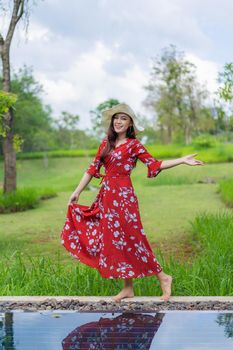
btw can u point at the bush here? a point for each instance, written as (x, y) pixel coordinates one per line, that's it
(165, 151)
(204, 141)
(23, 199)
(19, 200)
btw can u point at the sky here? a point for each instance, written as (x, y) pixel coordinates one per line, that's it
(84, 52)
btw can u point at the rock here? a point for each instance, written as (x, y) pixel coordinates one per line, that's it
(112, 306)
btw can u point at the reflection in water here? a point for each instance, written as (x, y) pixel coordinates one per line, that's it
(127, 331)
(6, 331)
(226, 320)
(52, 330)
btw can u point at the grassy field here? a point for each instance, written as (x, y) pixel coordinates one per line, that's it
(210, 273)
(213, 152)
(63, 174)
(168, 204)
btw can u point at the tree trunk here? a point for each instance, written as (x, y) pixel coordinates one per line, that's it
(169, 133)
(8, 149)
(9, 331)
(188, 137)
(162, 136)
(9, 154)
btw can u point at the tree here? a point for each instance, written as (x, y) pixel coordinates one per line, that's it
(32, 120)
(226, 320)
(7, 100)
(20, 9)
(34, 123)
(175, 95)
(225, 95)
(226, 79)
(67, 124)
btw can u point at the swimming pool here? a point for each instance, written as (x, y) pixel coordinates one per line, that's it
(61, 329)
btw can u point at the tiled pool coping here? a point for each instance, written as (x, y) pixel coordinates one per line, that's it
(106, 304)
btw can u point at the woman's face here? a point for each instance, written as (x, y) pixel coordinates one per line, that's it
(121, 122)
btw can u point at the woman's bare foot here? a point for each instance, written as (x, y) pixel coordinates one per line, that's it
(127, 292)
(166, 283)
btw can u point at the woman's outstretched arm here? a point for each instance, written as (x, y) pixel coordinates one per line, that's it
(188, 160)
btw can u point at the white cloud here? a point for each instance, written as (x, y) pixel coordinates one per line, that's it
(207, 71)
(85, 84)
(37, 33)
(84, 54)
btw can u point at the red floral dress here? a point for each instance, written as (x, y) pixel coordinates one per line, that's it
(108, 235)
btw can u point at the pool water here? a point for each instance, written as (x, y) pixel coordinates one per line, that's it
(54, 330)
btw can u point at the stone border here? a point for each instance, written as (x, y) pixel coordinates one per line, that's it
(106, 304)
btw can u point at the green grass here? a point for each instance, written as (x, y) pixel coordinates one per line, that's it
(60, 174)
(184, 174)
(210, 272)
(165, 212)
(157, 201)
(23, 199)
(217, 153)
(168, 210)
(19, 200)
(169, 204)
(63, 174)
(226, 191)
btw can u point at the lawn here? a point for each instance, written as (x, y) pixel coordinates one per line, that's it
(188, 225)
(168, 203)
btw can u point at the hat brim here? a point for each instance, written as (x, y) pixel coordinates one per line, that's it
(120, 108)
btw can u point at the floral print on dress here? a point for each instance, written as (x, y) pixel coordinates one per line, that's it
(108, 235)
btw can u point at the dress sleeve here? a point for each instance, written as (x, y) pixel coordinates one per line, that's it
(94, 167)
(153, 165)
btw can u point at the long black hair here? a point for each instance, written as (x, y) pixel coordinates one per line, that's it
(112, 136)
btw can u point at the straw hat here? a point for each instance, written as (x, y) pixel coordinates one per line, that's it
(120, 108)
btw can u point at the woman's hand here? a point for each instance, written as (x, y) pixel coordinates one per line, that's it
(189, 160)
(74, 197)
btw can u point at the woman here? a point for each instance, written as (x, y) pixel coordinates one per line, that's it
(109, 235)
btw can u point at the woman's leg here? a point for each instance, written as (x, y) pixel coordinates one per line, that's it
(165, 284)
(127, 291)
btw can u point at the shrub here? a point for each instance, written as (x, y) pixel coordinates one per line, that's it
(204, 141)
(19, 200)
(23, 199)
